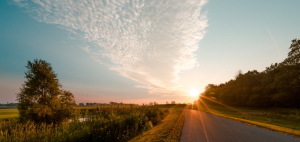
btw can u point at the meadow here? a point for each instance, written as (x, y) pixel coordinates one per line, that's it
(101, 124)
(8, 113)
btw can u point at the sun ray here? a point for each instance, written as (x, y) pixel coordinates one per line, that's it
(214, 115)
(202, 122)
(223, 104)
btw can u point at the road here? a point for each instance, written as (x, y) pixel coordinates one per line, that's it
(218, 129)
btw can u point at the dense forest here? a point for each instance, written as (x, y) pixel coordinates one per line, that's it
(277, 86)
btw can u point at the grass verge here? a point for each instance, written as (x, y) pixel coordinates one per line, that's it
(280, 129)
(168, 130)
(282, 120)
(249, 116)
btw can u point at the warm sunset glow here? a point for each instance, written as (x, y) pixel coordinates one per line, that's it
(194, 92)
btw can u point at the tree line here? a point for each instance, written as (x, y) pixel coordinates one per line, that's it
(277, 86)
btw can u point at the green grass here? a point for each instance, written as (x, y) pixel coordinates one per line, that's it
(283, 120)
(276, 116)
(7, 113)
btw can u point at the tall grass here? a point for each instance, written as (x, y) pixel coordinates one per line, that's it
(101, 124)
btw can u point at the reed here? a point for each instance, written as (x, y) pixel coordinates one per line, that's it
(100, 124)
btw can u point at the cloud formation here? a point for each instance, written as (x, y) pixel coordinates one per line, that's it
(146, 41)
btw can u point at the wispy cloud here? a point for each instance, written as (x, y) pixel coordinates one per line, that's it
(86, 49)
(147, 41)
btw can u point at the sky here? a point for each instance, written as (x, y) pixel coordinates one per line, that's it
(137, 51)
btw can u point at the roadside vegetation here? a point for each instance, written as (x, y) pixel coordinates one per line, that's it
(151, 129)
(285, 120)
(169, 130)
(101, 124)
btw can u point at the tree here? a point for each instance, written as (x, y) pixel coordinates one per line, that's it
(41, 98)
(276, 86)
(238, 74)
(167, 102)
(173, 102)
(294, 54)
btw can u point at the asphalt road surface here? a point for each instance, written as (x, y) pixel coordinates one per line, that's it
(218, 129)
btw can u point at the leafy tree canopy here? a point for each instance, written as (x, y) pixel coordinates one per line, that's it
(294, 54)
(276, 86)
(41, 98)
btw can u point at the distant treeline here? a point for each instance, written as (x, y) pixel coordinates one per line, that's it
(276, 86)
(9, 105)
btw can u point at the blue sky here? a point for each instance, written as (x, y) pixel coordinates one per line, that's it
(142, 51)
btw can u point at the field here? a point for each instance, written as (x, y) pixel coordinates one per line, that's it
(279, 119)
(86, 107)
(8, 113)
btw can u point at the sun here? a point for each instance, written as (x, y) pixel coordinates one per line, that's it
(194, 92)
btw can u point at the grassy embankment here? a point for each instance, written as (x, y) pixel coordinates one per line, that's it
(282, 120)
(169, 130)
